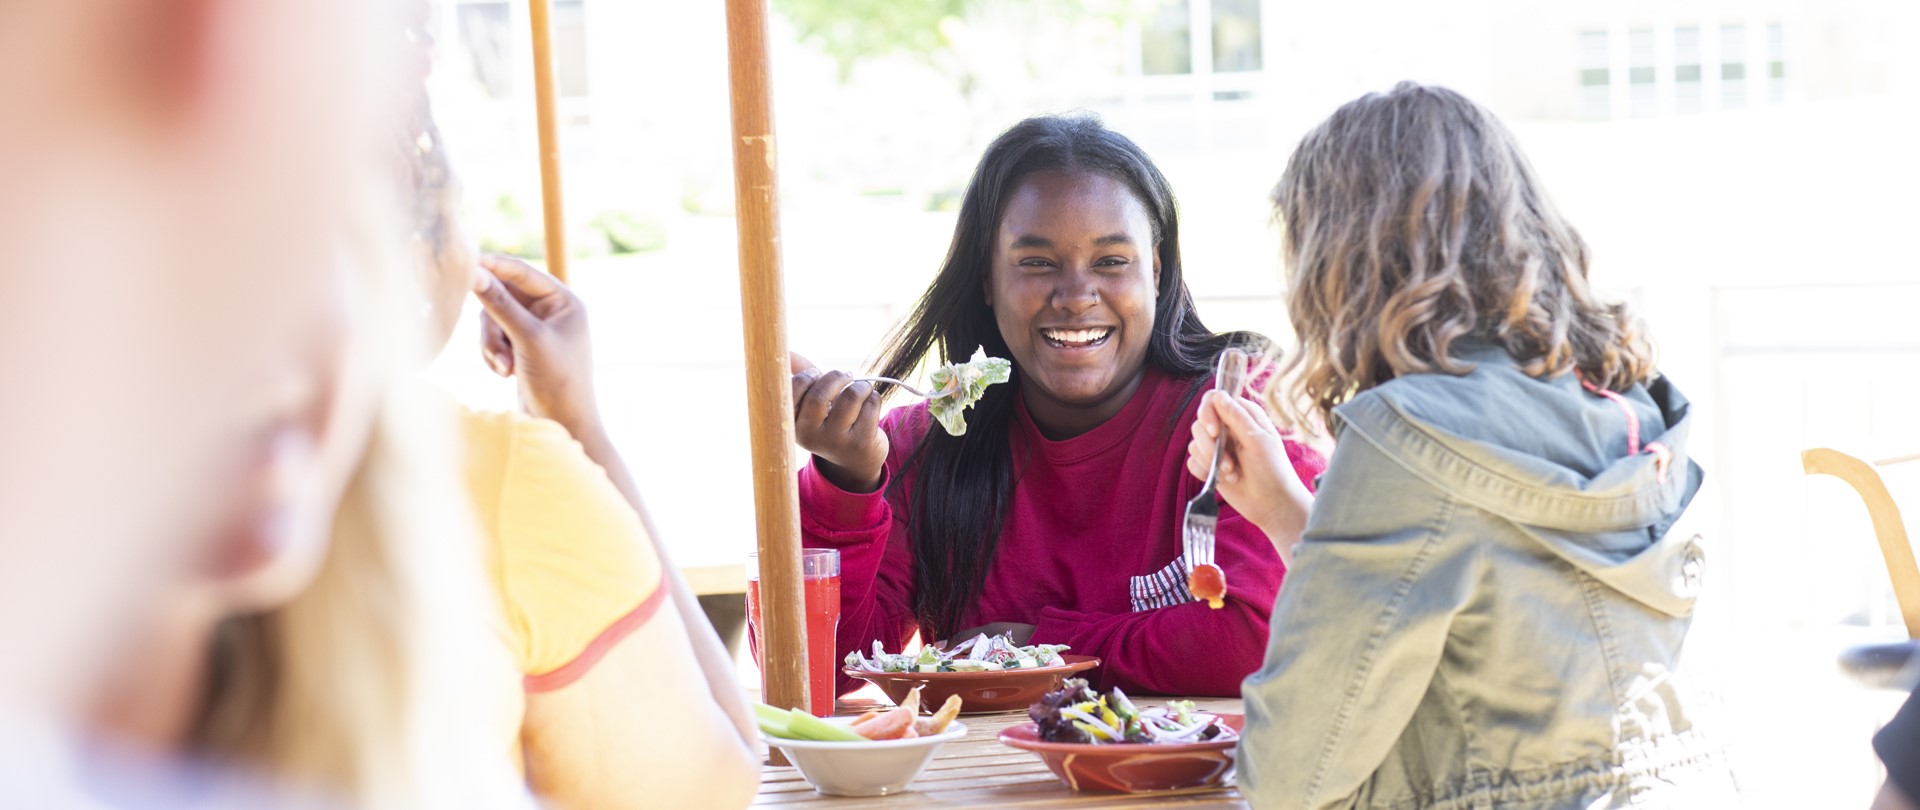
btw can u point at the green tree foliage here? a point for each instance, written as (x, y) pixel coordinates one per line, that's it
(852, 30)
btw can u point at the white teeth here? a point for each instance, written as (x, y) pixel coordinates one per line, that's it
(1076, 335)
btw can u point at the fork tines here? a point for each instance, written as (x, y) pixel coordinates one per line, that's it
(1203, 515)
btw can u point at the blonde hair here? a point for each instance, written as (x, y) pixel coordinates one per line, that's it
(1410, 220)
(365, 687)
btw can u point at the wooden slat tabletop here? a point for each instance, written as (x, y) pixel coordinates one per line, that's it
(977, 770)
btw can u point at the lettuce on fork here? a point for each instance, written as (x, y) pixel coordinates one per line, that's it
(956, 387)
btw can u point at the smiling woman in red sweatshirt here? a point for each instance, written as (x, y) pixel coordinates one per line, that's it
(1057, 515)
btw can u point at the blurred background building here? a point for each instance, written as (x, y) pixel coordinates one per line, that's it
(1744, 171)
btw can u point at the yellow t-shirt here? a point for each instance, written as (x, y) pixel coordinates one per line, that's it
(573, 565)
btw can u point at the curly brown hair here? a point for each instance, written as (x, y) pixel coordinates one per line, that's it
(1411, 220)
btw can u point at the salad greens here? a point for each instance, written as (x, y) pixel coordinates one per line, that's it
(982, 653)
(956, 387)
(1077, 714)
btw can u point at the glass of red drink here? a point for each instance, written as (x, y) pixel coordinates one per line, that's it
(820, 582)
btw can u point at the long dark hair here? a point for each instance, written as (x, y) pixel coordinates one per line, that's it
(963, 483)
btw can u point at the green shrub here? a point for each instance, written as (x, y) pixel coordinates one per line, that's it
(626, 233)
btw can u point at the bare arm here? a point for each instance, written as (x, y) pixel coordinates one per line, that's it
(628, 734)
(536, 331)
(708, 650)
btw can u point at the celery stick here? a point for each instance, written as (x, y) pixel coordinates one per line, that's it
(773, 722)
(807, 727)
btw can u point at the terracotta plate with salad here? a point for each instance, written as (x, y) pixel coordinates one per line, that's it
(1097, 742)
(989, 673)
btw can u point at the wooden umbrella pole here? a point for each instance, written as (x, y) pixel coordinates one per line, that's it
(763, 313)
(540, 16)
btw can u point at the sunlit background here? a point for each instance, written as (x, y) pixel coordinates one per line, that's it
(1745, 172)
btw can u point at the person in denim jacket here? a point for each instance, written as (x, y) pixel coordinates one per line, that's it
(1488, 601)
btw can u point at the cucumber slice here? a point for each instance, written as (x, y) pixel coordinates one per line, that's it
(807, 727)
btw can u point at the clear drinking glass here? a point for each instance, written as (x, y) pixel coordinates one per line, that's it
(820, 583)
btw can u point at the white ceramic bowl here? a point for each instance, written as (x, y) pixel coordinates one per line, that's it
(872, 768)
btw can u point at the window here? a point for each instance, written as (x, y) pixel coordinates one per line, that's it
(1686, 69)
(1776, 62)
(1166, 40)
(1733, 65)
(1236, 35)
(486, 30)
(1641, 93)
(570, 48)
(1596, 94)
(488, 34)
(1231, 27)
(1744, 69)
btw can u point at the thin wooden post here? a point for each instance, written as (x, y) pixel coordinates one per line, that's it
(540, 16)
(763, 312)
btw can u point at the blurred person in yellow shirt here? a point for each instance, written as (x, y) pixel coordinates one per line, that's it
(630, 698)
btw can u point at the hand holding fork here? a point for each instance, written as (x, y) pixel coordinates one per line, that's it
(1254, 473)
(1204, 579)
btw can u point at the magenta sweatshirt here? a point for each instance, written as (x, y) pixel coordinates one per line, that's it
(1088, 555)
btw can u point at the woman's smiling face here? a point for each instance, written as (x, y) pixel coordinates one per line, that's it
(1073, 287)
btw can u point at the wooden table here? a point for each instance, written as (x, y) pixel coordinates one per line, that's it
(978, 771)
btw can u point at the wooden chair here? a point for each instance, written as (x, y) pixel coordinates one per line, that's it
(1887, 525)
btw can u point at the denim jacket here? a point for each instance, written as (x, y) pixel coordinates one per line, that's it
(1488, 606)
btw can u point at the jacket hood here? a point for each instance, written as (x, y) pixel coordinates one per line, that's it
(1556, 460)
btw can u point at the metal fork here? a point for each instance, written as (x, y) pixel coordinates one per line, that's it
(1203, 512)
(903, 386)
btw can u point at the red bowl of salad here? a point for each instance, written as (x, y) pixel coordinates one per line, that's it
(990, 674)
(1104, 743)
